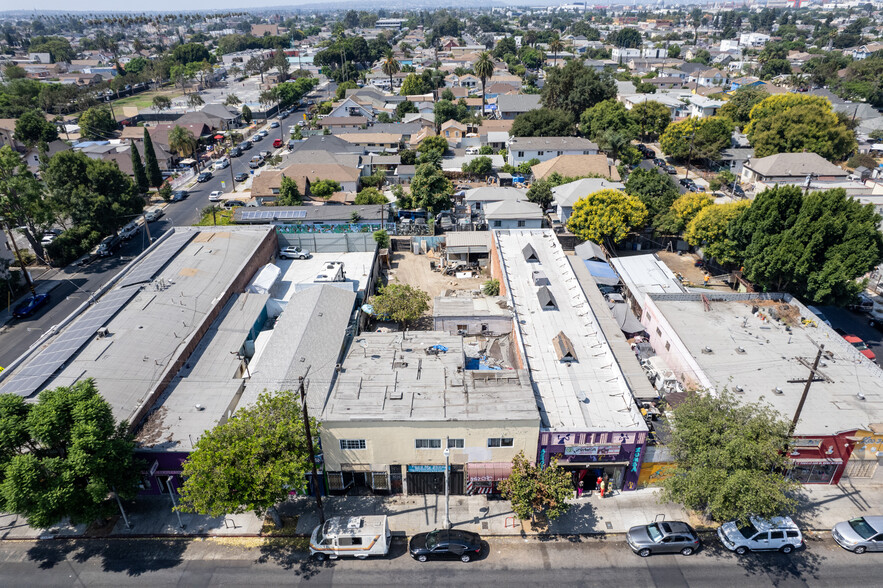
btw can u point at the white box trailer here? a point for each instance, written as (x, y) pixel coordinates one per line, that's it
(357, 537)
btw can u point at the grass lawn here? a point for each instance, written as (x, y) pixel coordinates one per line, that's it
(145, 99)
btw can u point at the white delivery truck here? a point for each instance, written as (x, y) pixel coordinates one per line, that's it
(356, 537)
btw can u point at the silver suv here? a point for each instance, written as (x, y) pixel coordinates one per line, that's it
(775, 534)
(292, 252)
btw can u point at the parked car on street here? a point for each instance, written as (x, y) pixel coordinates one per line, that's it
(292, 252)
(204, 177)
(263, 133)
(241, 177)
(274, 124)
(245, 145)
(860, 535)
(256, 162)
(659, 162)
(862, 303)
(645, 151)
(154, 214)
(229, 204)
(215, 196)
(257, 138)
(236, 152)
(277, 143)
(445, 544)
(222, 163)
(670, 169)
(108, 245)
(860, 346)
(358, 537)
(776, 534)
(179, 195)
(130, 230)
(663, 537)
(30, 305)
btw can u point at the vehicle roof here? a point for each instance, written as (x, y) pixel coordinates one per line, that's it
(354, 526)
(874, 521)
(675, 527)
(852, 338)
(773, 523)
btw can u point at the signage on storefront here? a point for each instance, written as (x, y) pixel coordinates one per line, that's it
(636, 460)
(802, 442)
(415, 469)
(591, 450)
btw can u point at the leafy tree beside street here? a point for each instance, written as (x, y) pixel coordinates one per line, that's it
(697, 138)
(794, 123)
(656, 190)
(543, 122)
(738, 107)
(63, 456)
(651, 118)
(576, 87)
(709, 229)
(400, 303)
(32, 128)
(540, 192)
(730, 459)
(537, 490)
(606, 215)
(252, 461)
(21, 199)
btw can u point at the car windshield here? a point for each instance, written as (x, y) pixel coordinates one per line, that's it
(748, 531)
(432, 540)
(860, 345)
(861, 527)
(654, 532)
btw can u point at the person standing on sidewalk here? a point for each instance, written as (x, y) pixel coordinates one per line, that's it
(606, 490)
(579, 489)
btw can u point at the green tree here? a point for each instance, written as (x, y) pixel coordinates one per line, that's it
(702, 56)
(430, 189)
(370, 196)
(390, 67)
(58, 48)
(32, 128)
(697, 138)
(491, 287)
(730, 459)
(861, 159)
(738, 107)
(683, 210)
(651, 118)
(324, 188)
(405, 107)
(576, 87)
(252, 461)
(191, 53)
(540, 192)
(433, 143)
(606, 215)
(793, 123)
(246, 114)
(343, 87)
(485, 150)
(182, 141)
(161, 103)
(479, 166)
(400, 303)
(21, 199)
(543, 122)
(609, 115)
(64, 456)
(627, 37)
(289, 194)
(381, 237)
(534, 489)
(484, 69)
(814, 246)
(151, 165)
(674, 51)
(138, 173)
(656, 190)
(97, 124)
(412, 85)
(709, 229)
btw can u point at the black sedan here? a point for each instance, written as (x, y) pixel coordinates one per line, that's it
(30, 305)
(204, 177)
(241, 177)
(443, 544)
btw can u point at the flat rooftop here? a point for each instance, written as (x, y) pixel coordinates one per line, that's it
(468, 306)
(420, 376)
(646, 274)
(589, 392)
(161, 319)
(299, 274)
(736, 349)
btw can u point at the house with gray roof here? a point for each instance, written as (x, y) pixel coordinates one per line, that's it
(523, 149)
(566, 195)
(511, 105)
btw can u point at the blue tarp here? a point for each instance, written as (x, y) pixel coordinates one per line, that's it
(602, 272)
(440, 348)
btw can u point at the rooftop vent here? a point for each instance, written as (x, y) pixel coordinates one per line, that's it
(740, 350)
(530, 254)
(547, 300)
(707, 350)
(778, 391)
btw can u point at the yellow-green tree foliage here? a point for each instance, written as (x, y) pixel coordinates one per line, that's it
(709, 229)
(687, 206)
(606, 214)
(793, 123)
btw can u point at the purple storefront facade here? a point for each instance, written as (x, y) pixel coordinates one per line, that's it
(588, 456)
(160, 468)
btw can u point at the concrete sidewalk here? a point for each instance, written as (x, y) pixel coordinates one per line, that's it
(821, 508)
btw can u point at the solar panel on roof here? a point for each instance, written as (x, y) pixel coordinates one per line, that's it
(147, 268)
(41, 368)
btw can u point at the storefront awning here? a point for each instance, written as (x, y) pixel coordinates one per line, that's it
(816, 461)
(488, 471)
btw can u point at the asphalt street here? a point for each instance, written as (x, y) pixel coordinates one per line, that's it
(77, 283)
(506, 562)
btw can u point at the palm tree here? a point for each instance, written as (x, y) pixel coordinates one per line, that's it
(555, 45)
(484, 69)
(390, 67)
(182, 142)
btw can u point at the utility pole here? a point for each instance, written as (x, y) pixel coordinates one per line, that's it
(447, 522)
(809, 380)
(21, 264)
(303, 401)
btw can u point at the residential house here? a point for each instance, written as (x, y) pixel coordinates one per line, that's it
(343, 122)
(7, 133)
(865, 51)
(479, 198)
(710, 78)
(566, 195)
(703, 107)
(519, 214)
(372, 214)
(624, 54)
(32, 157)
(373, 142)
(754, 40)
(791, 168)
(497, 140)
(676, 101)
(348, 107)
(575, 166)
(511, 105)
(229, 117)
(266, 185)
(80, 79)
(523, 149)
(454, 131)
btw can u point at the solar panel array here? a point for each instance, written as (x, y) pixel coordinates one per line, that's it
(272, 214)
(28, 381)
(166, 250)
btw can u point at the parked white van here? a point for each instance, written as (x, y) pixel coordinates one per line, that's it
(357, 537)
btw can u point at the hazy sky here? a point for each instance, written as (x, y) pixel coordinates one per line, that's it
(153, 5)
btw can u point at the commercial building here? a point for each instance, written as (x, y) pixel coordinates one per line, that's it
(589, 420)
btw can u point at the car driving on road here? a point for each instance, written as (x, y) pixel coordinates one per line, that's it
(445, 544)
(204, 177)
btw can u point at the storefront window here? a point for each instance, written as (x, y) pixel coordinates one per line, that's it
(814, 473)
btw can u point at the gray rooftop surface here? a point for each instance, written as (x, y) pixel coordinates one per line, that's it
(769, 359)
(391, 377)
(456, 306)
(591, 393)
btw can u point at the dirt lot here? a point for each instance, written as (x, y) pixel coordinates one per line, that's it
(413, 270)
(684, 265)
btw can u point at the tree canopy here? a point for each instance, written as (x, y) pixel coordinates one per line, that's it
(21, 198)
(540, 192)
(32, 128)
(606, 214)
(626, 37)
(63, 456)
(97, 124)
(479, 166)
(534, 489)
(738, 107)
(543, 122)
(793, 123)
(576, 87)
(289, 193)
(252, 461)
(697, 138)
(401, 303)
(813, 246)
(370, 196)
(656, 190)
(683, 210)
(730, 458)
(709, 229)
(651, 118)
(430, 189)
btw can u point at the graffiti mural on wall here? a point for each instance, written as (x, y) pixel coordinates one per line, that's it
(327, 229)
